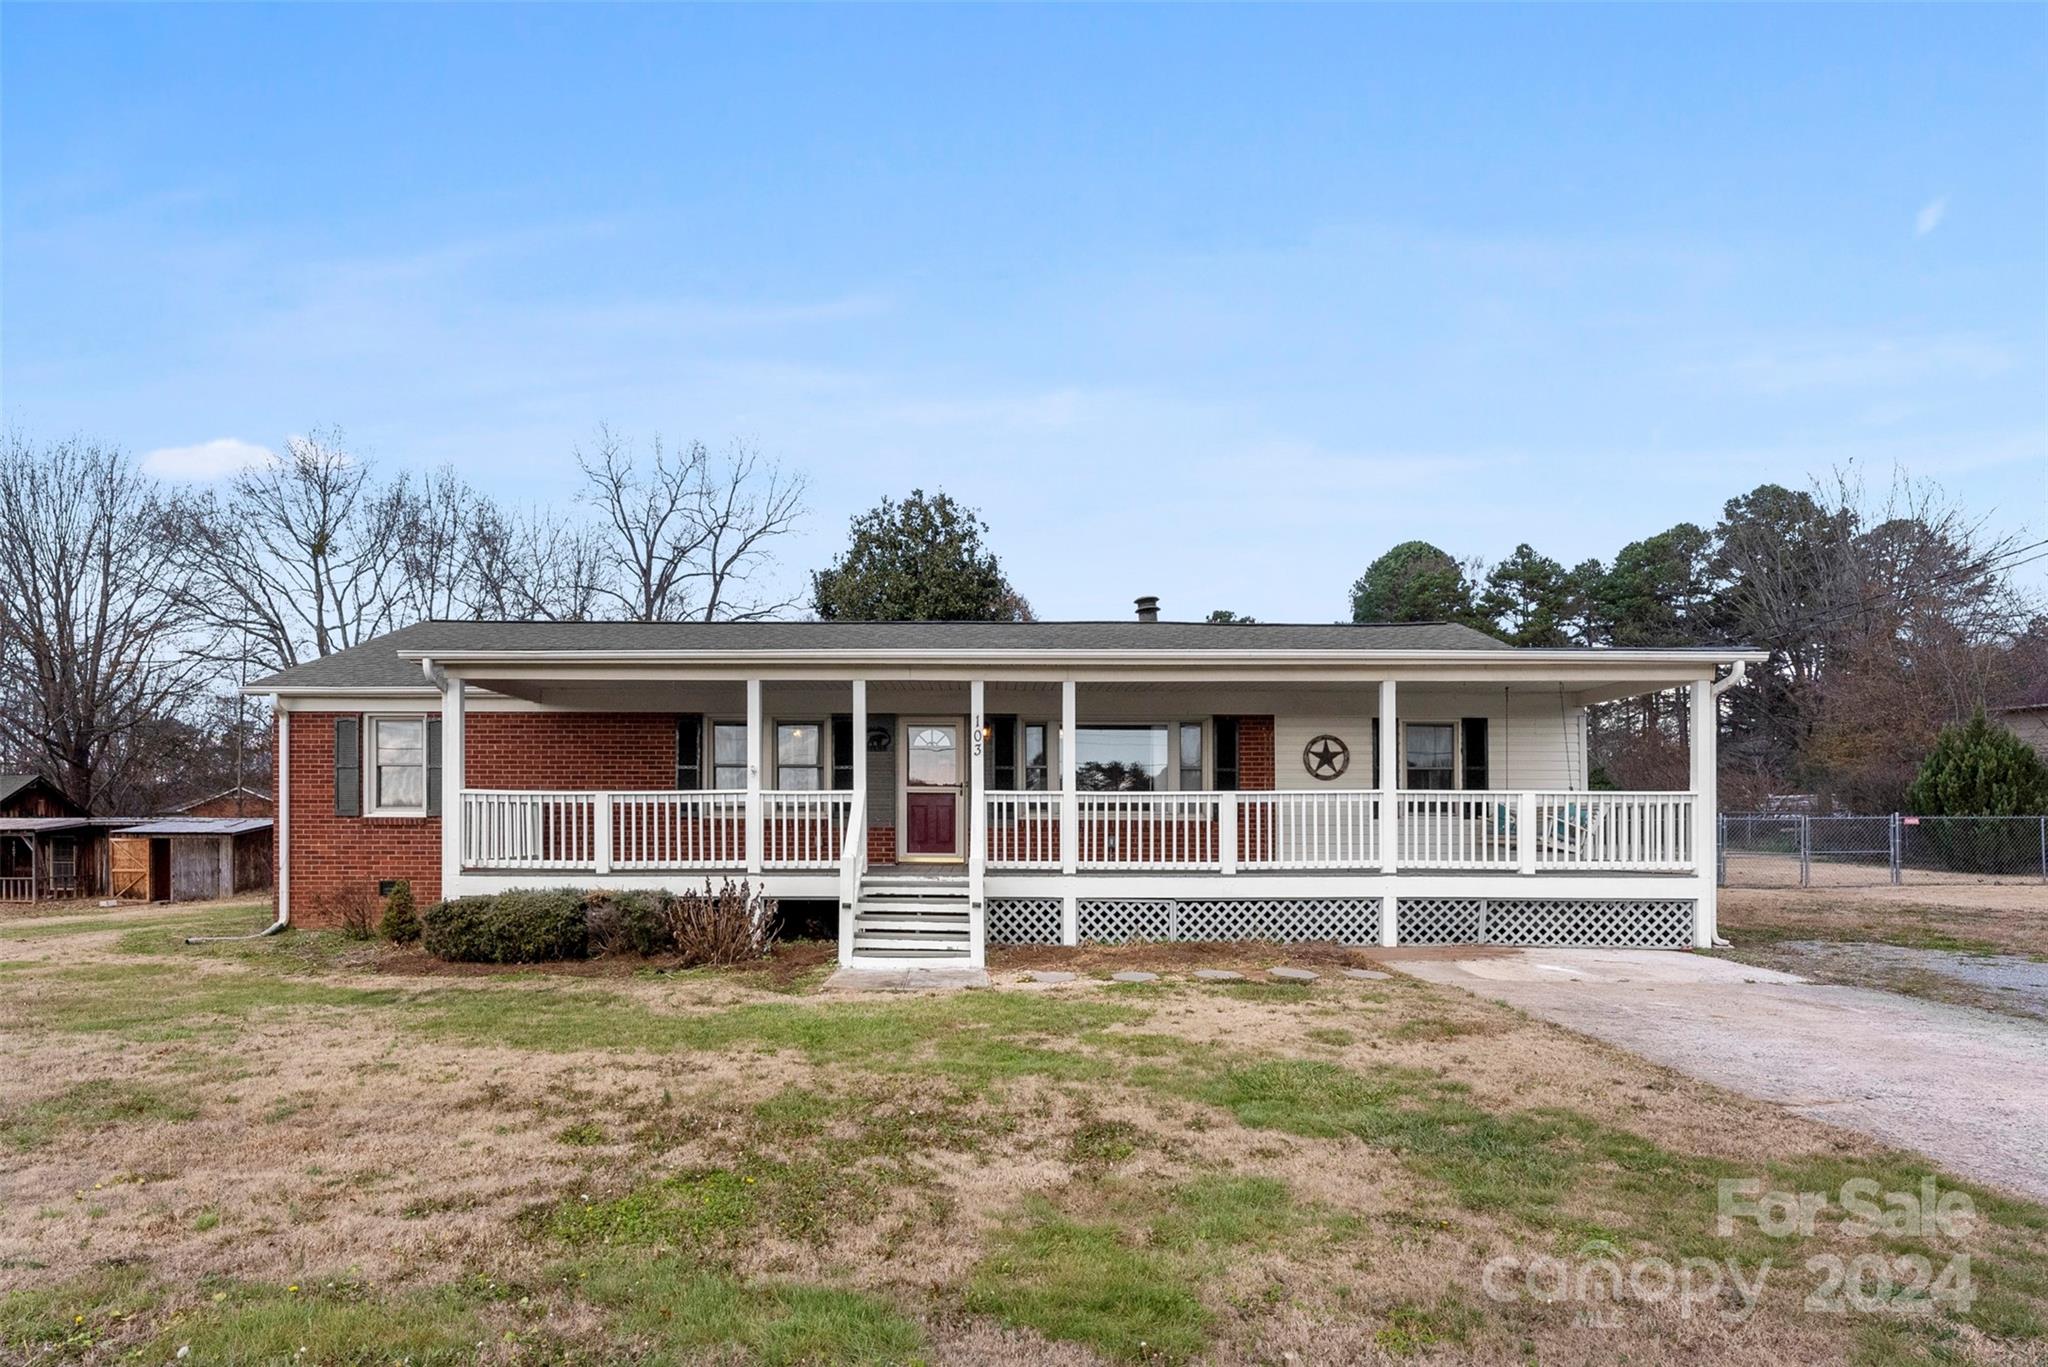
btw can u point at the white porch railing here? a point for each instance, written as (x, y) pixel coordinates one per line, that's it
(671, 830)
(1637, 832)
(1148, 831)
(529, 830)
(1307, 830)
(1024, 830)
(1453, 830)
(1529, 832)
(803, 830)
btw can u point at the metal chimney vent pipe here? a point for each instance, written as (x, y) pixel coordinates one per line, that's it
(1148, 608)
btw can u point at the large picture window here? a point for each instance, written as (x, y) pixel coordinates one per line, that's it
(1432, 748)
(398, 758)
(1122, 759)
(799, 756)
(729, 754)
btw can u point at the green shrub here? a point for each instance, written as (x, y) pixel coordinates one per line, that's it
(1978, 769)
(628, 923)
(524, 926)
(401, 923)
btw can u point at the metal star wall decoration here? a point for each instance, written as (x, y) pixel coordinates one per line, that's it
(1326, 757)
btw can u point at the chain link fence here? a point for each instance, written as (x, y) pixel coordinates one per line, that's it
(1770, 851)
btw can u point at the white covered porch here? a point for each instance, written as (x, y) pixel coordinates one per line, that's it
(1047, 851)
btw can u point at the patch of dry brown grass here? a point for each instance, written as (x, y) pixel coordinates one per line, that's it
(309, 1140)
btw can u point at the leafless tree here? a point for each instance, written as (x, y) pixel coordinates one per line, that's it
(94, 636)
(303, 553)
(687, 533)
(534, 565)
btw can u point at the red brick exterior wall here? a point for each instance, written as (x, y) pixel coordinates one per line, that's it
(881, 844)
(1255, 754)
(609, 750)
(330, 853)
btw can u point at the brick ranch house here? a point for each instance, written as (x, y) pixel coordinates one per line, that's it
(946, 785)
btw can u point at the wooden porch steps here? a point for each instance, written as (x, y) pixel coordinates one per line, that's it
(911, 916)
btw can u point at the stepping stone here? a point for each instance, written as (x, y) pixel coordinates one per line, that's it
(1050, 975)
(1292, 975)
(1370, 975)
(1218, 975)
(1134, 975)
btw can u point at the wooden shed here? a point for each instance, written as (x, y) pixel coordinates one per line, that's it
(192, 858)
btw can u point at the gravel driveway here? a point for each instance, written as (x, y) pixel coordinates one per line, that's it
(1964, 1087)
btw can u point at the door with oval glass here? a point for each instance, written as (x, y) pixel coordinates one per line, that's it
(933, 764)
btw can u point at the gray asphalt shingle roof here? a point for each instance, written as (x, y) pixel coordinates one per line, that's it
(376, 663)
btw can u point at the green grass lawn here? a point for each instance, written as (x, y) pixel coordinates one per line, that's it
(303, 1149)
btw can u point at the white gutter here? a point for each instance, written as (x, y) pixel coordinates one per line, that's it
(1735, 676)
(1050, 657)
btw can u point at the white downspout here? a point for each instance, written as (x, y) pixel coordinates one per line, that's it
(1707, 846)
(283, 872)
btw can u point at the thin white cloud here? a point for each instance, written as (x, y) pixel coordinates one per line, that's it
(207, 460)
(1849, 363)
(1930, 216)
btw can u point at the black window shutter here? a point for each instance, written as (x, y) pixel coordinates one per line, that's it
(1226, 754)
(433, 766)
(348, 766)
(843, 752)
(689, 751)
(1475, 753)
(1002, 752)
(1375, 753)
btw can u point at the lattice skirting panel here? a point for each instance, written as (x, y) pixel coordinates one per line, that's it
(1024, 920)
(1630, 923)
(1347, 920)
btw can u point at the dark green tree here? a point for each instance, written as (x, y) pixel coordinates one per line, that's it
(1528, 599)
(921, 560)
(1979, 769)
(1415, 582)
(1226, 615)
(1657, 592)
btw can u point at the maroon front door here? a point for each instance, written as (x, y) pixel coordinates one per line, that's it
(931, 790)
(931, 822)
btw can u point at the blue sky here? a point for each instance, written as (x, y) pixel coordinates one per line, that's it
(1210, 303)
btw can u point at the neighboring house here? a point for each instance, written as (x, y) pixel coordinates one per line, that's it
(191, 858)
(50, 847)
(2028, 717)
(234, 802)
(949, 784)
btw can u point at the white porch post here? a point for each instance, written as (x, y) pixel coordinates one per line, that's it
(1390, 806)
(977, 825)
(754, 832)
(1070, 816)
(1704, 716)
(860, 748)
(847, 910)
(284, 810)
(1070, 810)
(454, 716)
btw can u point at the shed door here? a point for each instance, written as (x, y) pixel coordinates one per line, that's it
(130, 867)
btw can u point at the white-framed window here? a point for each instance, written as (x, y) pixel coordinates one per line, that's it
(728, 754)
(396, 763)
(1431, 759)
(799, 756)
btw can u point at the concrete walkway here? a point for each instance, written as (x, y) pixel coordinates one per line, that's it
(905, 979)
(1967, 1088)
